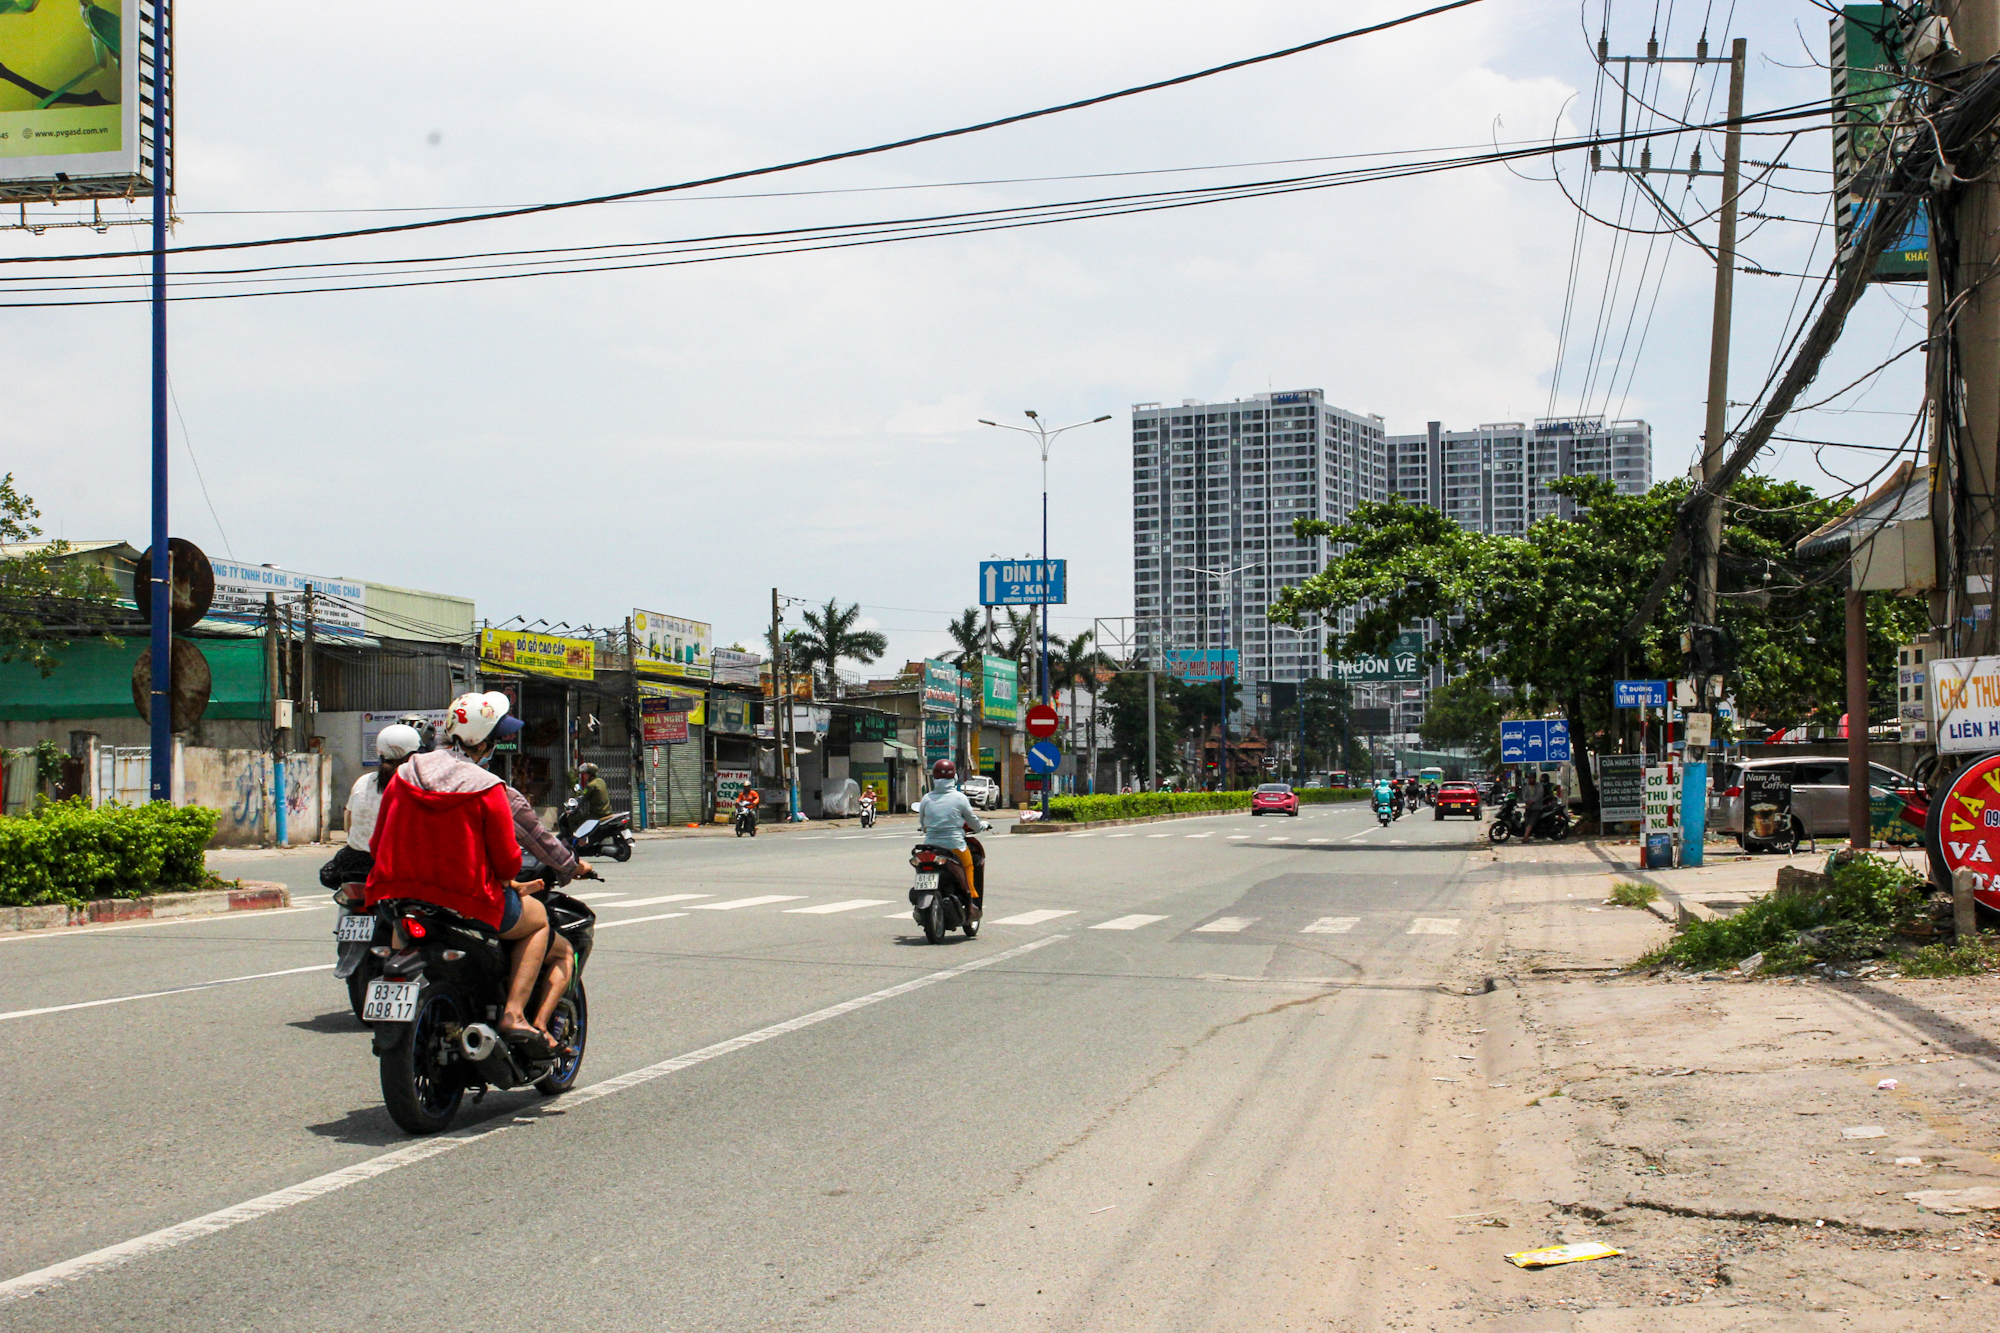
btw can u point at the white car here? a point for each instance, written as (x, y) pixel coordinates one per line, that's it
(983, 792)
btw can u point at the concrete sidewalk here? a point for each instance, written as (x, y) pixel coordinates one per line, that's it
(1729, 879)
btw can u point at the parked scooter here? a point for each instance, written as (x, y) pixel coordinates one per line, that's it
(940, 896)
(611, 835)
(443, 982)
(1511, 821)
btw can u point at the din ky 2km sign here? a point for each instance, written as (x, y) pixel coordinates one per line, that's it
(1023, 582)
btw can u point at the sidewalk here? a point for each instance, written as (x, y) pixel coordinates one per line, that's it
(1728, 880)
(1730, 1136)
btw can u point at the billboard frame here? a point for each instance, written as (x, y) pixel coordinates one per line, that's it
(146, 130)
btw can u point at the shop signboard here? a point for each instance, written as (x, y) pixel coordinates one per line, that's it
(680, 699)
(660, 723)
(1000, 693)
(1199, 664)
(730, 783)
(670, 646)
(1965, 700)
(240, 590)
(937, 739)
(1402, 663)
(1867, 82)
(734, 667)
(538, 654)
(1621, 788)
(874, 727)
(944, 687)
(1964, 832)
(729, 714)
(872, 778)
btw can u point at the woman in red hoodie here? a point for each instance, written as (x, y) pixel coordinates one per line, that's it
(445, 835)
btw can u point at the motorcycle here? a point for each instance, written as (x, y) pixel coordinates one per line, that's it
(356, 932)
(1511, 822)
(940, 896)
(443, 981)
(746, 820)
(594, 837)
(868, 814)
(1385, 809)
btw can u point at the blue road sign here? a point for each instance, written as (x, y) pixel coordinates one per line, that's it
(1635, 693)
(1043, 756)
(1536, 741)
(1023, 582)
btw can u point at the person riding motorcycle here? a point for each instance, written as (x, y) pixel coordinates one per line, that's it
(748, 799)
(595, 794)
(351, 864)
(945, 816)
(868, 805)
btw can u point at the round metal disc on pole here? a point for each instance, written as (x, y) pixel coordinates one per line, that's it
(189, 672)
(193, 590)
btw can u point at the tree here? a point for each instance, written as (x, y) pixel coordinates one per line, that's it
(830, 638)
(1125, 709)
(969, 636)
(42, 592)
(1464, 714)
(1544, 613)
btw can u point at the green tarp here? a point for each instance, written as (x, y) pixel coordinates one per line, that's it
(95, 680)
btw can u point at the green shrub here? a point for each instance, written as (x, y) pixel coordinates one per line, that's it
(1957, 958)
(66, 852)
(1139, 804)
(1627, 893)
(1869, 899)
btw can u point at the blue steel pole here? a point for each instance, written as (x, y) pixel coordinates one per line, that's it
(162, 565)
(1047, 778)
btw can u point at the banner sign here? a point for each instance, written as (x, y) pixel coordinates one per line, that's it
(660, 723)
(1534, 741)
(1866, 83)
(1621, 788)
(70, 108)
(1402, 663)
(372, 724)
(670, 646)
(1767, 806)
(731, 714)
(1638, 694)
(1662, 800)
(937, 739)
(240, 589)
(944, 686)
(1965, 700)
(734, 668)
(1023, 582)
(1193, 664)
(730, 783)
(1000, 692)
(538, 654)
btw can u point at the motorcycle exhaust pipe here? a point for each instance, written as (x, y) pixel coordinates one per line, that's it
(478, 1041)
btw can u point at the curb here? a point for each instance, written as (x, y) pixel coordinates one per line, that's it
(1065, 826)
(250, 896)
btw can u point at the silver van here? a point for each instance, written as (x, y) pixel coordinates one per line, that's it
(1819, 794)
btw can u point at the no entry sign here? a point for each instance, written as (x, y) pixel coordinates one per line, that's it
(1041, 721)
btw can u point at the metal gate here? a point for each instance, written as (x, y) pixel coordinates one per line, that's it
(124, 775)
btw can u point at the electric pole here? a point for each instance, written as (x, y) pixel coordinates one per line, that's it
(1715, 435)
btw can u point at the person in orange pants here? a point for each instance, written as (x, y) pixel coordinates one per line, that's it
(946, 815)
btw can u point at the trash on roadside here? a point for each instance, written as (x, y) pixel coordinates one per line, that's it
(1748, 967)
(1909, 1161)
(1493, 1222)
(1956, 1201)
(1864, 1132)
(1550, 1255)
(1886, 1085)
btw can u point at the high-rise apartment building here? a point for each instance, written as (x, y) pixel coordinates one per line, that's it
(1494, 478)
(1218, 485)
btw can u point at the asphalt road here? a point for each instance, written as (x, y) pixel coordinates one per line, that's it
(1169, 1087)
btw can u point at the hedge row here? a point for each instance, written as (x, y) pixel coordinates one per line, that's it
(1137, 805)
(66, 852)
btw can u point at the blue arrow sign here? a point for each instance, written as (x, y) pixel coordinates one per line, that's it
(1023, 582)
(1043, 756)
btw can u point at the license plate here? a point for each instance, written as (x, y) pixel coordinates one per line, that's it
(355, 928)
(927, 882)
(390, 1002)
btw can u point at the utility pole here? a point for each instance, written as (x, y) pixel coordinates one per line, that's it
(272, 687)
(1152, 736)
(781, 707)
(161, 591)
(306, 673)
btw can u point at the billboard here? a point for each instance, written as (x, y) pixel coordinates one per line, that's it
(734, 667)
(1404, 662)
(538, 654)
(1865, 84)
(668, 645)
(1192, 664)
(1000, 692)
(944, 686)
(240, 589)
(70, 106)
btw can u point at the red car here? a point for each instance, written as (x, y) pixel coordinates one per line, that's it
(1275, 798)
(1458, 798)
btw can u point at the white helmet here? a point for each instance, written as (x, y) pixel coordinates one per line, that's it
(471, 718)
(398, 741)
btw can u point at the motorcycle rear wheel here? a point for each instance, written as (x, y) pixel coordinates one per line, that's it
(1497, 831)
(971, 924)
(571, 1024)
(357, 991)
(421, 1094)
(933, 919)
(621, 850)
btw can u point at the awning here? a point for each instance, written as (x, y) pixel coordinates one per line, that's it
(902, 751)
(1904, 496)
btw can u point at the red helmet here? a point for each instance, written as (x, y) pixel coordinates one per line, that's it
(944, 769)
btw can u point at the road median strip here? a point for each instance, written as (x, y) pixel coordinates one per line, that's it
(246, 896)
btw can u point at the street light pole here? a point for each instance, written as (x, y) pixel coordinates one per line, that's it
(1223, 576)
(1044, 437)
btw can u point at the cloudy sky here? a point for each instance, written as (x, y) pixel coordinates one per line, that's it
(684, 438)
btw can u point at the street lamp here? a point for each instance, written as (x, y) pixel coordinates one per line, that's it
(1044, 436)
(1222, 735)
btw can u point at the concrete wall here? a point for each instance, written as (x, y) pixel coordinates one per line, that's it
(239, 783)
(214, 733)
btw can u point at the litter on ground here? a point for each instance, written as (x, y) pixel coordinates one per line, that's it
(1551, 1255)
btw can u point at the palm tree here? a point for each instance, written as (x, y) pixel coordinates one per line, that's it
(969, 635)
(830, 637)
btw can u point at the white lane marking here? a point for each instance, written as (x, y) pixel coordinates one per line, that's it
(1159, 835)
(845, 837)
(1209, 834)
(597, 897)
(1399, 842)
(1359, 836)
(116, 1256)
(156, 994)
(1119, 835)
(1229, 924)
(635, 920)
(1332, 925)
(1434, 925)
(15, 937)
(1031, 918)
(1280, 838)
(664, 898)
(1083, 835)
(1319, 839)
(1127, 922)
(822, 909)
(1239, 837)
(901, 916)
(758, 901)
